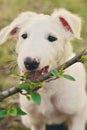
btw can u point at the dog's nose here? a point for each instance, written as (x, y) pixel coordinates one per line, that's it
(31, 64)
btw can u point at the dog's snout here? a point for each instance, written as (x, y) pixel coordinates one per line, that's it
(31, 64)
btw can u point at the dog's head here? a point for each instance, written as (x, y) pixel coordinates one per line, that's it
(43, 40)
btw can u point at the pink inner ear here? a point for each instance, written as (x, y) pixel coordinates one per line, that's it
(14, 31)
(65, 24)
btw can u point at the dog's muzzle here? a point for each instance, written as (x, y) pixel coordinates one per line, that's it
(31, 64)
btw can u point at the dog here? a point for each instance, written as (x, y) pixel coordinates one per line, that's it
(44, 40)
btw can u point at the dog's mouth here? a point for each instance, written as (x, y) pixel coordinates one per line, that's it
(37, 73)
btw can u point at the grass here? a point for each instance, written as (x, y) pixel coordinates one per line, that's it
(9, 9)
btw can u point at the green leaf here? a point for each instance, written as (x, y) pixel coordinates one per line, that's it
(84, 58)
(12, 111)
(22, 79)
(35, 84)
(27, 76)
(20, 112)
(69, 77)
(25, 87)
(55, 73)
(3, 113)
(36, 97)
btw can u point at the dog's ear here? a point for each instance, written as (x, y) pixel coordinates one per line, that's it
(70, 22)
(14, 28)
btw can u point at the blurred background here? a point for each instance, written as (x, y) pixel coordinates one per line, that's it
(9, 9)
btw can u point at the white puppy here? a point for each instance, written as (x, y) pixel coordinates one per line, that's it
(44, 40)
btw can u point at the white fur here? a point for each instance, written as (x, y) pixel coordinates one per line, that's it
(62, 100)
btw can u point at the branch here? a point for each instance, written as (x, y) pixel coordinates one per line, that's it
(14, 90)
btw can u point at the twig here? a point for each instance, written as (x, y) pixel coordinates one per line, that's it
(77, 58)
(14, 90)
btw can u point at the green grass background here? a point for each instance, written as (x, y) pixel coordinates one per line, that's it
(9, 9)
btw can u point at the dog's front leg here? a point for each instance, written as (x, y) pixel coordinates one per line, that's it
(38, 127)
(31, 124)
(77, 123)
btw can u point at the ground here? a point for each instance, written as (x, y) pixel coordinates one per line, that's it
(8, 11)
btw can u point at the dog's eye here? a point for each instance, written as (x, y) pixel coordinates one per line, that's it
(24, 36)
(51, 38)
